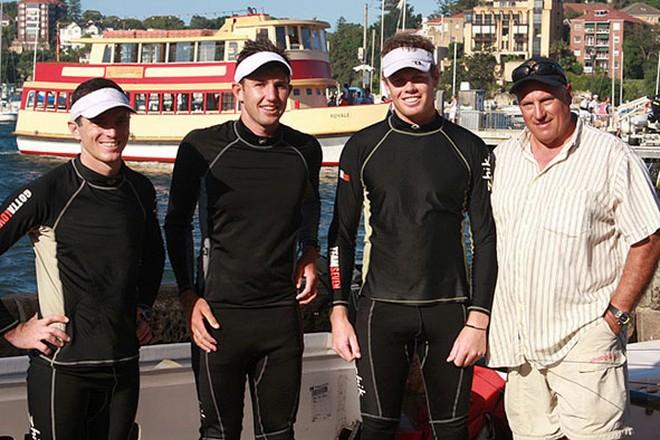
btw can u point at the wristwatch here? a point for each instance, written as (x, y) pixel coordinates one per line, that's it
(621, 317)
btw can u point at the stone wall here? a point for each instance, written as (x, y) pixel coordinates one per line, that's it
(168, 324)
(647, 319)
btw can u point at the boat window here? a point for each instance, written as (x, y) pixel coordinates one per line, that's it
(107, 53)
(183, 103)
(280, 37)
(62, 101)
(324, 43)
(296, 92)
(153, 53)
(154, 103)
(232, 51)
(197, 102)
(30, 101)
(228, 102)
(318, 91)
(181, 52)
(140, 104)
(262, 34)
(41, 100)
(294, 40)
(126, 53)
(306, 38)
(50, 101)
(211, 51)
(212, 101)
(309, 92)
(316, 40)
(168, 102)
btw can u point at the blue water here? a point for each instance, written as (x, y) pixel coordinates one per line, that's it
(17, 264)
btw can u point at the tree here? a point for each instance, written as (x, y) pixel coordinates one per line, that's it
(344, 44)
(640, 45)
(451, 7)
(92, 15)
(111, 21)
(564, 56)
(72, 10)
(130, 23)
(480, 68)
(164, 22)
(199, 22)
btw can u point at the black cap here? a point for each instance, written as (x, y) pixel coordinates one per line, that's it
(538, 69)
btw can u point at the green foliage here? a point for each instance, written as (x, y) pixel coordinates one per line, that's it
(10, 9)
(447, 77)
(92, 15)
(640, 46)
(72, 10)
(199, 22)
(344, 44)
(24, 62)
(599, 84)
(563, 55)
(451, 7)
(480, 68)
(164, 22)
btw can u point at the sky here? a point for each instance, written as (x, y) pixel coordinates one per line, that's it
(327, 10)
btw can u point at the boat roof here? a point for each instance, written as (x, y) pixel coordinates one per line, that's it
(230, 30)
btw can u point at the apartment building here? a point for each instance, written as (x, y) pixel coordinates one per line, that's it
(596, 37)
(643, 12)
(513, 28)
(443, 31)
(41, 15)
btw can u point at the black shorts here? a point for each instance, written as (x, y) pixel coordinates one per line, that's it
(390, 335)
(264, 345)
(82, 402)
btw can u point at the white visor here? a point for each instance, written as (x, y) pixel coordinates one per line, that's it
(403, 57)
(255, 61)
(97, 102)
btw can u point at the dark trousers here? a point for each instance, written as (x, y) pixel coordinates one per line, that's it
(265, 346)
(82, 402)
(390, 335)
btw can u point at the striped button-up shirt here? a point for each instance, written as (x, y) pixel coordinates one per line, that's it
(563, 234)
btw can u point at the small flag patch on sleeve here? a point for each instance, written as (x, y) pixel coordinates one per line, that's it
(343, 175)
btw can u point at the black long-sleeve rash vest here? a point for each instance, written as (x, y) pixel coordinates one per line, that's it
(99, 254)
(257, 198)
(416, 186)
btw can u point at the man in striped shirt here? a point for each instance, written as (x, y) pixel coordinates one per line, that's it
(577, 221)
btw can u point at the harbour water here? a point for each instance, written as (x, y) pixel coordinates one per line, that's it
(17, 266)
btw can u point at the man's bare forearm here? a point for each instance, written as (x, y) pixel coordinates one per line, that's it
(640, 266)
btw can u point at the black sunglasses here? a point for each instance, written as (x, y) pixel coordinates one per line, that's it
(540, 68)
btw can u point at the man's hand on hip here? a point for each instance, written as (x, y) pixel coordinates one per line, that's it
(35, 333)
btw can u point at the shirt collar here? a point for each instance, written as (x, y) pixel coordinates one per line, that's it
(95, 178)
(247, 136)
(399, 124)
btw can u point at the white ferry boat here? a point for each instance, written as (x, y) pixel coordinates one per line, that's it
(179, 80)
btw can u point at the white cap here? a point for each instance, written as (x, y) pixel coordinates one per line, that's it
(97, 102)
(255, 61)
(403, 57)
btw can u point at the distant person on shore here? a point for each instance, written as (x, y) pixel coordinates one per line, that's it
(416, 177)
(99, 261)
(452, 110)
(368, 96)
(256, 182)
(577, 221)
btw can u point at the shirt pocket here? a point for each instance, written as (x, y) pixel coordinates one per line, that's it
(568, 214)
